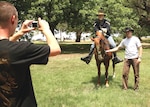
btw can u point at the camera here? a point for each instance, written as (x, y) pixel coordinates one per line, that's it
(34, 24)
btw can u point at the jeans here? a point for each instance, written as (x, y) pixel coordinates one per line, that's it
(92, 46)
(125, 74)
(111, 42)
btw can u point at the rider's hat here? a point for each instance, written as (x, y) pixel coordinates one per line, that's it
(101, 13)
(127, 29)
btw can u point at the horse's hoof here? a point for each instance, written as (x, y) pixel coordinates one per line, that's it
(98, 85)
(107, 85)
(114, 76)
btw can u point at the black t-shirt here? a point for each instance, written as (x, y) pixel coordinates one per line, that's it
(16, 88)
(102, 24)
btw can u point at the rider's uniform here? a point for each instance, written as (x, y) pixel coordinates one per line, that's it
(104, 26)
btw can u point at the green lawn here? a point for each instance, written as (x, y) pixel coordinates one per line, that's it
(68, 82)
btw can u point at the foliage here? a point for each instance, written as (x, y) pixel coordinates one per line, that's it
(22, 6)
(62, 26)
(119, 15)
(142, 9)
(80, 16)
(50, 10)
(118, 39)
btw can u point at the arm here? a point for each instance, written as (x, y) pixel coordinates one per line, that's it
(95, 26)
(140, 54)
(108, 28)
(121, 45)
(16, 36)
(24, 29)
(114, 49)
(51, 41)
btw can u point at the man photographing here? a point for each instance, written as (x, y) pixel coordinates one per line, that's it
(16, 88)
(133, 55)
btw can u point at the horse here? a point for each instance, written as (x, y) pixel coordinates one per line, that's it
(102, 44)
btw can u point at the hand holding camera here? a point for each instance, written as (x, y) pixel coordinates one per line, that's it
(30, 25)
(43, 25)
(34, 24)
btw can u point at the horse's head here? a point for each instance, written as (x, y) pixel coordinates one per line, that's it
(99, 40)
(101, 44)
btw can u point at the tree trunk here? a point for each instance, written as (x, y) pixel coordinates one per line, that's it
(78, 34)
(61, 36)
(53, 26)
(52, 29)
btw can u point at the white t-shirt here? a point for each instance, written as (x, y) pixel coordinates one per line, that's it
(131, 46)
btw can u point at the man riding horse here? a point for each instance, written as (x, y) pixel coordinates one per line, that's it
(101, 25)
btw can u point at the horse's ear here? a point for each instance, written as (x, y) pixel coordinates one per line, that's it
(92, 39)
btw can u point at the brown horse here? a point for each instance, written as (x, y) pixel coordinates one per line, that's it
(102, 44)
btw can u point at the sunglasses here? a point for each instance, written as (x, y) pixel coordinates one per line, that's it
(101, 15)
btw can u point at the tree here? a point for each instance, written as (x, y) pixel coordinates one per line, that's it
(50, 10)
(142, 9)
(119, 15)
(80, 16)
(22, 6)
(62, 27)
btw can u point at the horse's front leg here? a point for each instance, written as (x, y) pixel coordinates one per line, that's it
(99, 71)
(106, 63)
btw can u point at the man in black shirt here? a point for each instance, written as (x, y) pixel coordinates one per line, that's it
(102, 25)
(16, 88)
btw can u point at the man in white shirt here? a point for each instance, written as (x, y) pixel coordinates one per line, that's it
(133, 54)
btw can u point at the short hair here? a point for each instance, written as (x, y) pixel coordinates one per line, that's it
(6, 11)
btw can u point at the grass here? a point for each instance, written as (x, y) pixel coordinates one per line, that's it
(68, 82)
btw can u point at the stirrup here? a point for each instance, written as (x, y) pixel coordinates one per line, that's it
(117, 60)
(86, 59)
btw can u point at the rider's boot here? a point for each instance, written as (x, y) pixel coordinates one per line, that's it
(116, 59)
(88, 58)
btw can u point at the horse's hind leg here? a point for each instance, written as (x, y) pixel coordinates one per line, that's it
(106, 73)
(114, 74)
